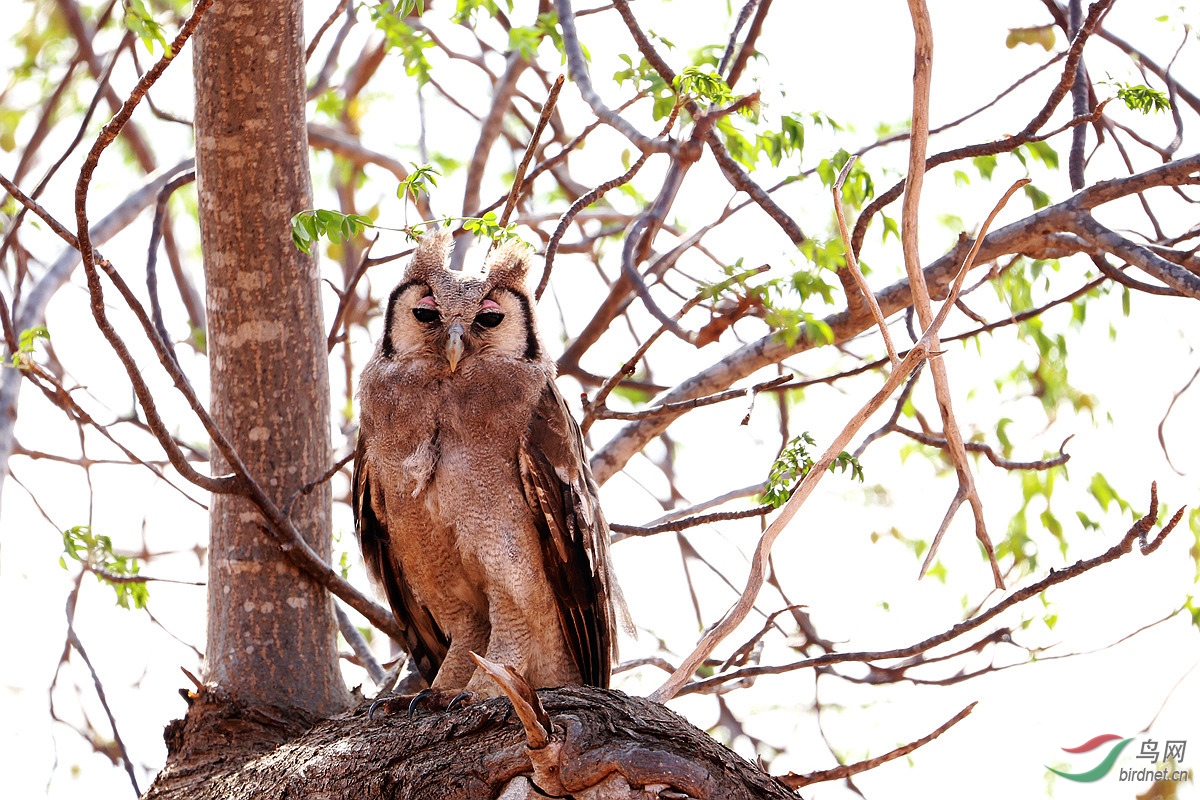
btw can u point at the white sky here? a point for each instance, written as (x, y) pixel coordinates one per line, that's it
(852, 61)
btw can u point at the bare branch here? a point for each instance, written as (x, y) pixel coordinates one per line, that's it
(794, 781)
(690, 522)
(1137, 533)
(577, 68)
(852, 262)
(980, 447)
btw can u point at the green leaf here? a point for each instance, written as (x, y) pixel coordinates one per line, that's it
(407, 40)
(95, 553)
(1137, 97)
(794, 463)
(418, 181)
(468, 10)
(309, 226)
(1002, 435)
(1040, 35)
(633, 394)
(25, 344)
(986, 166)
(139, 21)
(1036, 196)
(1105, 494)
(29, 336)
(890, 226)
(703, 84)
(488, 227)
(1194, 552)
(1193, 609)
(1044, 152)
(952, 221)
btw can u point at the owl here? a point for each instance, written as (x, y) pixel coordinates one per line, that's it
(474, 504)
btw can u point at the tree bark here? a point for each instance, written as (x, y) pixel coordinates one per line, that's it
(271, 631)
(612, 746)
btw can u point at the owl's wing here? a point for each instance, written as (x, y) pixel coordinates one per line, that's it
(562, 495)
(424, 639)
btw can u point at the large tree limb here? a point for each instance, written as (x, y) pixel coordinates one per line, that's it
(608, 741)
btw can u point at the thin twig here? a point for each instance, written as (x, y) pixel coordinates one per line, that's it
(346, 295)
(316, 40)
(307, 488)
(156, 232)
(595, 407)
(852, 262)
(73, 638)
(690, 522)
(986, 450)
(577, 67)
(519, 177)
(604, 412)
(583, 202)
(1005, 145)
(360, 647)
(794, 781)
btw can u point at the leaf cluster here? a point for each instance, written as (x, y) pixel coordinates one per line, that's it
(141, 22)
(25, 343)
(770, 297)
(794, 463)
(389, 19)
(528, 38)
(97, 556)
(309, 226)
(1137, 97)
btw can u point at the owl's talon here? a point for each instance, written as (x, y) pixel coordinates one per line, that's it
(376, 704)
(462, 698)
(384, 701)
(418, 698)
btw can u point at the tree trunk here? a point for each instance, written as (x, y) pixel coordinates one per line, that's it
(271, 631)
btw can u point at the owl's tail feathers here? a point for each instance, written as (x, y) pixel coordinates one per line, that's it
(622, 611)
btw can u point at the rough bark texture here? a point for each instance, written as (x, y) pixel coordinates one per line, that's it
(611, 746)
(271, 632)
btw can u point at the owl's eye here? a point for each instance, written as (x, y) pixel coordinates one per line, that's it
(426, 314)
(489, 319)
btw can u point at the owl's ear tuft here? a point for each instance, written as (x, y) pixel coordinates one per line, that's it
(430, 256)
(509, 264)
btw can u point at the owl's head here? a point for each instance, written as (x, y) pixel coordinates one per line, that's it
(457, 316)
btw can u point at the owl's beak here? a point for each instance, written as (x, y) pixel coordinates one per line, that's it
(454, 345)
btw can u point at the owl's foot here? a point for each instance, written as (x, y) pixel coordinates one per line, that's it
(433, 699)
